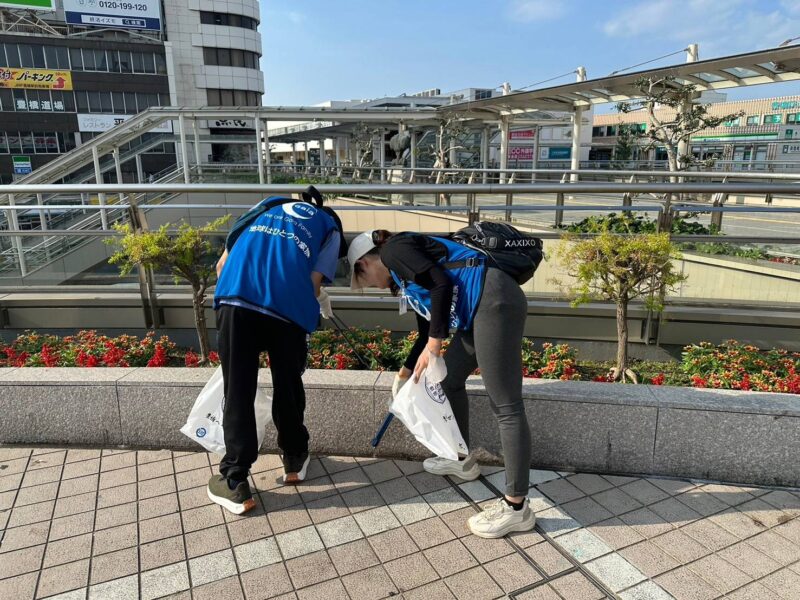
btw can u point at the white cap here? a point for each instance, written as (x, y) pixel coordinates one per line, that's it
(360, 246)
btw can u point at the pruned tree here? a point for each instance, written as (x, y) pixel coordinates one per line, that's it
(623, 149)
(619, 269)
(363, 137)
(189, 256)
(451, 134)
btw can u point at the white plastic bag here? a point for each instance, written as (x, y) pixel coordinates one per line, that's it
(425, 411)
(204, 424)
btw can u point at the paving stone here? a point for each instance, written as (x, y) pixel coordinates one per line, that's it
(430, 532)
(362, 499)
(353, 557)
(299, 542)
(749, 560)
(392, 544)
(10, 483)
(674, 512)
(476, 491)
(525, 539)
(646, 522)
(776, 547)
(433, 591)
(512, 572)
(764, 514)
(616, 533)
(457, 521)
(268, 480)
(335, 464)
(41, 476)
(189, 462)
(63, 578)
(427, 483)
(248, 530)
(683, 583)
(71, 526)
(79, 594)
(586, 511)
(211, 567)
(73, 505)
(786, 501)
(144, 457)
(339, 531)
(116, 515)
(450, 558)
(589, 483)
(22, 561)
(224, 589)
(161, 527)
(287, 519)
(22, 586)
(549, 559)
(680, 546)
(618, 480)
(410, 571)
(266, 582)
(616, 501)
(81, 455)
(114, 565)
(206, 541)
(576, 585)
(257, 554)
(350, 480)
(382, 471)
(710, 535)
(647, 590)
(36, 494)
(118, 461)
(445, 501)
(201, 518)
(126, 588)
(560, 491)
(396, 490)
(165, 580)
(754, 591)
(672, 486)
(474, 584)
(785, 583)
(267, 462)
(738, 523)
(485, 550)
(615, 572)
(117, 495)
(644, 491)
(556, 522)
(116, 478)
(115, 538)
(649, 558)
(790, 530)
(163, 552)
(310, 569)
(279, 498)
(327, 590)
(156, 487)
(730, 494)
(722, 576)
(68, 550)
(194, 478)
(369, 584)
(376, 520)
(417, 508)
(314, 489)
(583, 545)
(24, 537)
(33, 513)
(158, 506)
(327, 509)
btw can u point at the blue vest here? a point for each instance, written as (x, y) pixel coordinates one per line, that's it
(467, 286)
(271, 263)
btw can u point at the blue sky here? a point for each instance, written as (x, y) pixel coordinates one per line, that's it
(316, 50)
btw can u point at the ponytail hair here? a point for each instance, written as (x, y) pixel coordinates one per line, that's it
(380, 237)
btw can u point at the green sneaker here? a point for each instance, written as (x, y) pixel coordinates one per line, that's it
(237, 501)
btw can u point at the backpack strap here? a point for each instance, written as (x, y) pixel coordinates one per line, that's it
(474, 261)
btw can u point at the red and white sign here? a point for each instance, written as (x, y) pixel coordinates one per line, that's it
(520, 153)
(522, 134)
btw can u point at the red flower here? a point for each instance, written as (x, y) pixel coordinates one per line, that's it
(49, 358)
(160, 358)
(21, 359)
(213, 357)
(341, 361)
(699, 382)
(658, 379)
(191, 359)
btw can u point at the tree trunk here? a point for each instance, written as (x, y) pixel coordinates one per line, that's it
(622, 338)
(198, 305)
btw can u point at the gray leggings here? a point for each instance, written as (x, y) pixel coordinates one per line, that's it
(495, 345)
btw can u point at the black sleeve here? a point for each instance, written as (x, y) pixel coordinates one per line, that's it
(419, 345)
(415, 258)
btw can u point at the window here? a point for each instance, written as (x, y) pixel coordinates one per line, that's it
(76, 59)
(227, 20)
(163, 99)
(3, 143)
(26, 141)
(20, 100)
(94, 102)
(6, 99)
(105, 102)
(14, 143)
(100, 60)
(88, 60)
(213, 97)
(125, 65)
(227, 97)
(138, 62)
(38, 57)
(81, 102)
(12, 55)
(769, 119)
(161, 64)
(62, 57)
(223, 57)
(51, 58)
(26, 55)
(237, 58)
(793, 118)
(611, 130)
(148, 60)
(732, 122)
(119, 103)
(753, 120)
(130, 103)
(598, 131)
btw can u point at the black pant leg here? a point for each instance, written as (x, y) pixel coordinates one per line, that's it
(240, 343)
(288, 348)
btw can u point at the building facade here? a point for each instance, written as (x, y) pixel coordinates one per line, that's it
(762, 136)
(67, 74)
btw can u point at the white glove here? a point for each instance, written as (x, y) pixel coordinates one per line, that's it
(397, 384)
(324, 300)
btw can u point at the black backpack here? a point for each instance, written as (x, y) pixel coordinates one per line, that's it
(310, 195)
(516, 253)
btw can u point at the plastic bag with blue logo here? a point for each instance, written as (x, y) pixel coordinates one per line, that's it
(204, 424)
(425, 411)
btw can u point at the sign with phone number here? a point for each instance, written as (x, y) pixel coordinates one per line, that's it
(118, 14)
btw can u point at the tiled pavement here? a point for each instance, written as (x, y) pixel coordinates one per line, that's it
(117, 525)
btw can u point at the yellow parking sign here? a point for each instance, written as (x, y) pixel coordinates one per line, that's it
(40, 79)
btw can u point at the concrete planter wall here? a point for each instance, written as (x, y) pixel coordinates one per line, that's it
(742, 437)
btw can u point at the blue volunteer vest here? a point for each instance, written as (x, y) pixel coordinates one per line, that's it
(467, 286)
(271, 263)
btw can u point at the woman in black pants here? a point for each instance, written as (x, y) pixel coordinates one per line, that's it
(449, 286)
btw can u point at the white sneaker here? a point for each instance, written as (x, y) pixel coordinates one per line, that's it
(466, 469)
(499, 519)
